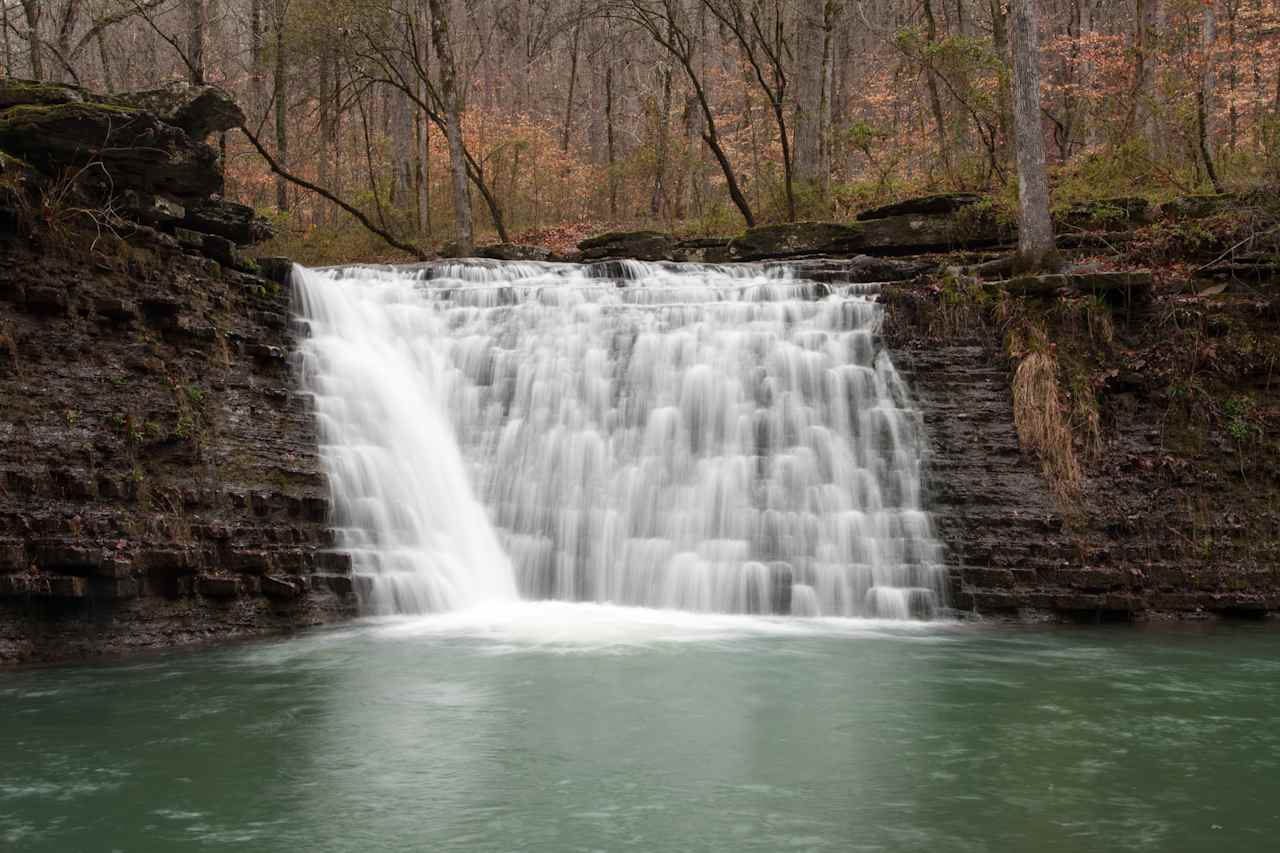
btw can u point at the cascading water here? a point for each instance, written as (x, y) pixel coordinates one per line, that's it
(707, 438)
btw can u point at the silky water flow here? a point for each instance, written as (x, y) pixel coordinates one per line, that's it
(710, 438)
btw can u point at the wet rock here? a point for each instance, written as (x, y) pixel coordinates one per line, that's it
(337, 584)
(275, 269)
(115, 309)
(513, 252)
(218, 586)
(282, 588)
(46, 300)
(940, 203)
(636, 245)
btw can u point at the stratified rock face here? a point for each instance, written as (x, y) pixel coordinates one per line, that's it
(1131, 555)
(159, 479)
(637, 245)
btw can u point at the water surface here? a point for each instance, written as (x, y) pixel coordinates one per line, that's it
(561, 727)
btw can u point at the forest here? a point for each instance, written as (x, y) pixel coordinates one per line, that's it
(545, 120)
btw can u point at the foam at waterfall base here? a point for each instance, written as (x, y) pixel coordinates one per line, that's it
(577, 626)
(719, 439)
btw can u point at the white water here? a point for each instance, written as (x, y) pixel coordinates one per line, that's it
(725, 439)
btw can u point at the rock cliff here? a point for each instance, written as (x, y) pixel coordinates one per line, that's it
(159, 479)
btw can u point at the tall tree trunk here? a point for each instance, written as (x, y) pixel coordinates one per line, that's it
(195, 41)
(1000, 41)
(66, 27)
(108, 80)
(257, 75)
(1147, 15)
(610, 142)
(281, 97)
(4, 33)
(32, 10)
(325, 84)
(1208, 36)
(935, 99)
(573, 83)
(452, 97)
(663, 132)
(809, 84)
(1036, 249)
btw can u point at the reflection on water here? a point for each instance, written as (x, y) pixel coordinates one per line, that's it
(553, 727)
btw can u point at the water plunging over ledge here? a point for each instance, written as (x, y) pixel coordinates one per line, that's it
(712, 438)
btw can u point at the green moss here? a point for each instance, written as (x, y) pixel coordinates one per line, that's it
(31, 117)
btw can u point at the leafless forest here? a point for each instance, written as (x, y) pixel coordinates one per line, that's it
(702, 115)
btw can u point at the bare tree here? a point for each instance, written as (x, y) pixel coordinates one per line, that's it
(1036, 248)
(451, 94)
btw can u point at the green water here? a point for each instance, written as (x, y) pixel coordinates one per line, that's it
(567, 728)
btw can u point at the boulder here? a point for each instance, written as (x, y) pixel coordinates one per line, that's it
(513, 252)
(938, 204)
(909, 233)
(636, 245)
(796, 238)
(197, 110)
(130, 148)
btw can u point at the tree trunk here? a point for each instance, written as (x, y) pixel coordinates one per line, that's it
(325, 84)
(808, 99)
(1000, 41)
(257, 77)
(108, 80)
(1147, 14)
(935, 99)
(281, 97)
(573, 83)
(32, 10)
(195, 41)
(610, 142)
(1036, 250)
(452, 97)
(1208, 36)
(663, 132)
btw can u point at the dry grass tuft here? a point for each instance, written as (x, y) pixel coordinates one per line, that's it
(1040, 416)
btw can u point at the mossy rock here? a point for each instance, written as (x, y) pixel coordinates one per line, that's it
(1107, 214)
(128, 148)
(15, 92)
(796, 238)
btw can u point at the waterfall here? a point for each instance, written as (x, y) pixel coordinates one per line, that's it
(712, 438)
